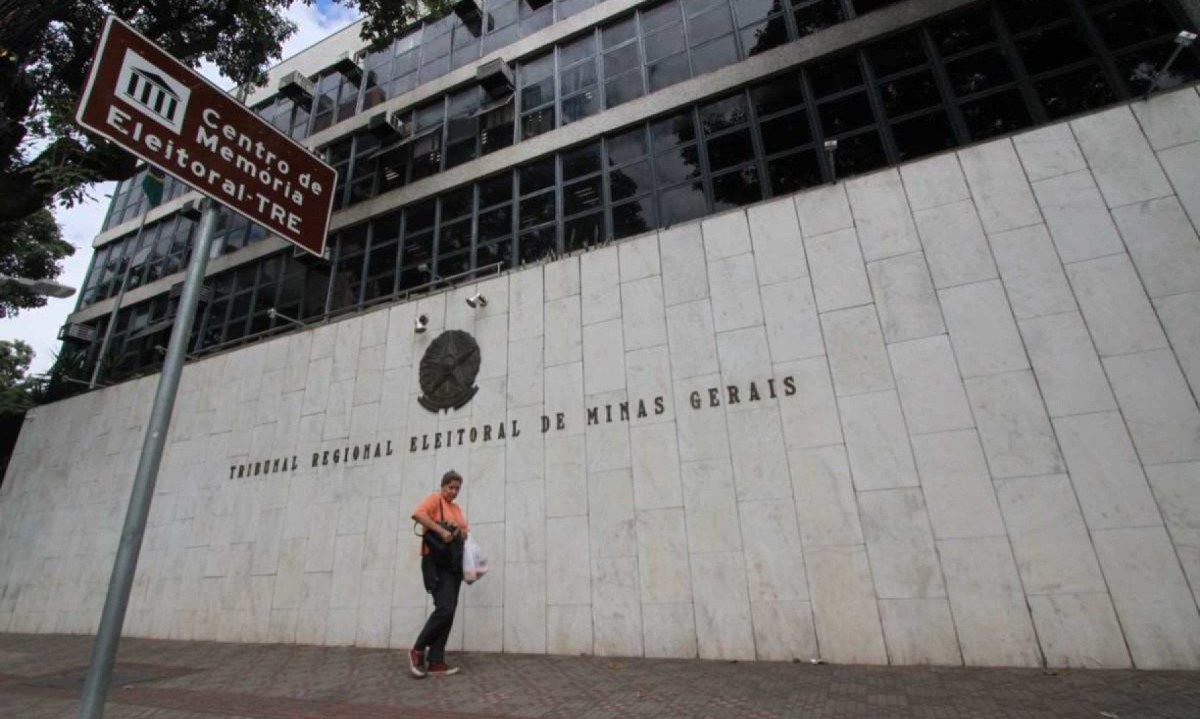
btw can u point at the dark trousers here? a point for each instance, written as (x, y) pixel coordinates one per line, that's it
(445, 602)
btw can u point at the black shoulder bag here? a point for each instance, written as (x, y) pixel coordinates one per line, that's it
(443, 554)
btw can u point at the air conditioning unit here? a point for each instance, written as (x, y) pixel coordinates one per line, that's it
(297, 87)
(393, 125)
(348, 68)
(74, 330)
(495, 77)
(471, 15)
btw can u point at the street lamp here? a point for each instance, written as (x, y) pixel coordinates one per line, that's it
(49, 288)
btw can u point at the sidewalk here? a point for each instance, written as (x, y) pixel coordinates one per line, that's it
(41, 676)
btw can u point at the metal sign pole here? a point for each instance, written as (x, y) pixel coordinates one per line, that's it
(104, 651)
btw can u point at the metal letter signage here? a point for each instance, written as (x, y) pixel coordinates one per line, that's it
(447, 372)
(160, 110)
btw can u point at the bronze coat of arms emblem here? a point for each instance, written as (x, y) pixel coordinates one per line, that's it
(447, 371)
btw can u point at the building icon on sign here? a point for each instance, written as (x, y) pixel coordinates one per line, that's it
(153, 91)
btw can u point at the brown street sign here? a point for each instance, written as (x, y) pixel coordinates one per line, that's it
(162, 111)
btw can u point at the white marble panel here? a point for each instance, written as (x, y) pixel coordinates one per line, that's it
(778, 249)
(954, 243)
(1174, 487)
(783, 630)
(491, 332)
(934, 182)
(604, 368)
(638, 258)
(895, 526)
(711, 506)
(525, 459)
(1181, 319)
(374, 328)
(1078, 220)
(1032, 273)
(1157, 406)
(725, 235)
(700, 421)
(990, 614)
(1151, 596)
(1049, 538)
(1067, 368)
(322, 530)
(791, 317)
(1180, 163)
(482, 629)
(684, 271)
(919, 631)
(999, 186)
(400, 336)
(744, 356)
(691, 338)
(525, 607)
(526, 372)
(616, 613)
(642, 317)
(375, 611)
(1163, 245)
(561, 278)
(857, 356)
(295, 371)
(345, 348)
(648, 377)
(825, 503)
(669, 630)
(599, 276)
(958, 489)
(931, 390)
(607, 435)
(568, 629)
(568, 561)
(982, 329)
(1049, 152)
(662, 544)
(773, 552)
(316, 391)
(656, 482)
(844, 607)
(486, 484)
(611, 514)
(877, 441)
(1119, 156)
(566, 476)
(525, 521)
(564, 393)
(723, 624)
(526, 291)
(1079, 630)
(823, 209)
(808, 408)
(904, 296)
(1169, 118)
(735, 300)
(1115, 306)
(839, 276)
(759, 460)
(881, 215)
(1013, 425)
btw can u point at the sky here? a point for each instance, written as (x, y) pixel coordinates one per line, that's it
(80, 224)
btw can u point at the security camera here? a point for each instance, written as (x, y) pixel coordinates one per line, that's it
(477, 300)
(421, 324)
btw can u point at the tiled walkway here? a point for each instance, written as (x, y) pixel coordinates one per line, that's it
(40, 678)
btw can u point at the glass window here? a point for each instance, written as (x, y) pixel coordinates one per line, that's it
(740, 187)
(817, 15)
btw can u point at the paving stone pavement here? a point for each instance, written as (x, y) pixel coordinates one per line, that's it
(40, 679)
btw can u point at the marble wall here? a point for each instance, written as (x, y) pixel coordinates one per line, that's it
(990, 456)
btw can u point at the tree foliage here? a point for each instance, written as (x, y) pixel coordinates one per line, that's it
(45, 50)
(29, 247)
(15, 357)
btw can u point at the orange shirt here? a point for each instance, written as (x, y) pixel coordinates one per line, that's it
(439, 510)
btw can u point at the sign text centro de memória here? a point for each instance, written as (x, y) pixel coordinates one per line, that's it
(160, 110)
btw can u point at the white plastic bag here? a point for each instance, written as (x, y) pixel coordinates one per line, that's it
(474, 561)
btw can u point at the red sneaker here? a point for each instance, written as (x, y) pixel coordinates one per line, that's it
(441, 669)
(416, 663)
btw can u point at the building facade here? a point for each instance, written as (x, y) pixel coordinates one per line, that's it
(860, 330)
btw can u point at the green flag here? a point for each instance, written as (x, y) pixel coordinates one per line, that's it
(152, 184)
